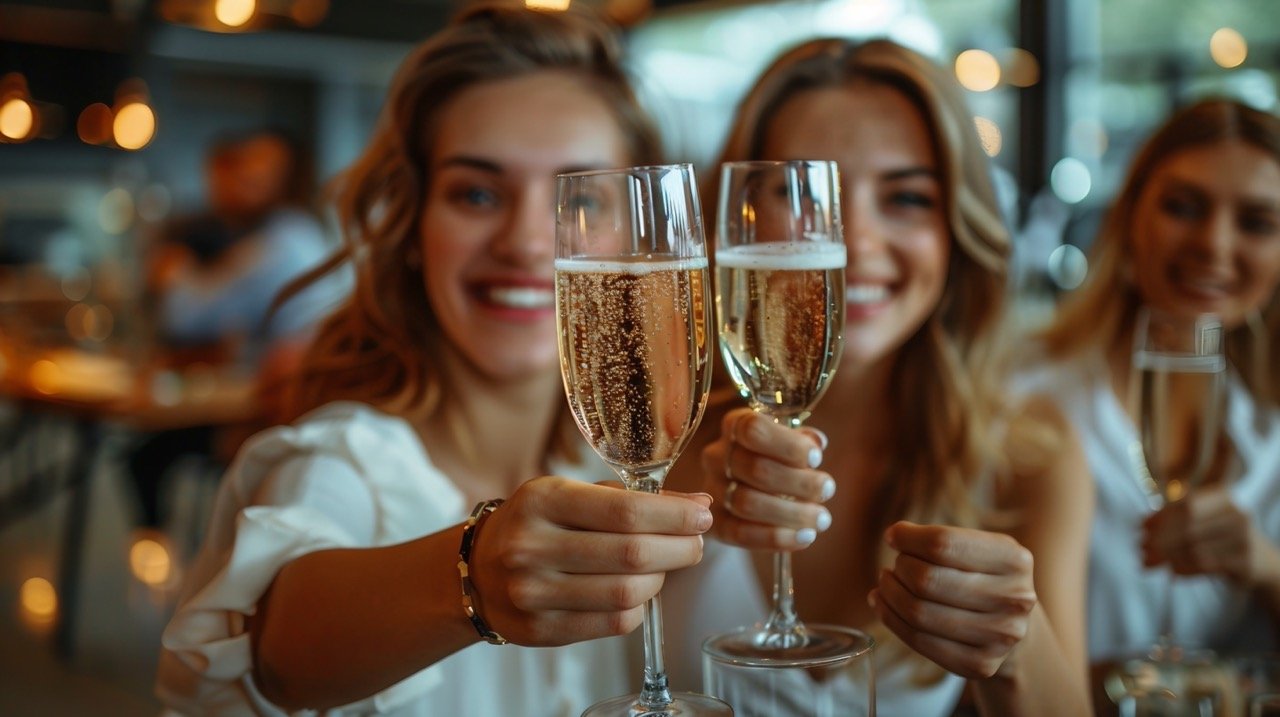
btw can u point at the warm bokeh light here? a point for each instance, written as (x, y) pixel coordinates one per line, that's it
(1021, 69)
(557, 5)
(1071, 180)
(234, 13)
(989, 135)
(1228, 48)
(90, 323)
(17, 119)
(977, 70)
(309, 13)
(134, 126)
(39, 600)
(45, 376)
(94, 125)
(98, 323)
(150, 563)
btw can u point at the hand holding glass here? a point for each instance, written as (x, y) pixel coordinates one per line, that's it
(632, 315)
(780, 299)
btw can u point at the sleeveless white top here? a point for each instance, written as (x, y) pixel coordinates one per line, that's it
(1126, 600)
(350, 476)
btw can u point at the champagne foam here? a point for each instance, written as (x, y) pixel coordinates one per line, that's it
(783, 256)
(637, 268)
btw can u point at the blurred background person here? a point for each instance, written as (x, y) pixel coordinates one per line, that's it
(212, 281)
(1194, 230)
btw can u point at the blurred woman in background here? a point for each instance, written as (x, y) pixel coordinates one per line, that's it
(330, 578)
(1195, 230)
(925, 458)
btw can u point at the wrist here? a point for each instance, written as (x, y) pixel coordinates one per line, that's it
(470, 599)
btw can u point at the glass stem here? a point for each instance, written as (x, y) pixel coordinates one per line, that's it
(655, 695)
(1165, 646)
(782, 621)
(783, 629)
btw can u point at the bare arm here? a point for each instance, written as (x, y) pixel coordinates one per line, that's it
(560, 562)
(1047, 673)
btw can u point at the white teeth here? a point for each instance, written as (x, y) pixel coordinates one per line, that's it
(865, 293)
(521, 297)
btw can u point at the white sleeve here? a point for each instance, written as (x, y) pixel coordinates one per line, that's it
(327, 485)
(309, 502)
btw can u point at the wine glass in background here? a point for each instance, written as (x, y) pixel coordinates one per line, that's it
(780, 300)
(1179, 378)
(632, 315)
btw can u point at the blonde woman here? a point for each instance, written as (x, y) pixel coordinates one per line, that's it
(891, 494)
(1195, 229)
(341, 572)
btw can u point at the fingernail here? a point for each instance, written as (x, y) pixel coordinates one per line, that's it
(871, 599)
(703, 499)
(815, 457)
(822, 438)
(704, 520)
(824, 521)
(805, 536)
(828, 489)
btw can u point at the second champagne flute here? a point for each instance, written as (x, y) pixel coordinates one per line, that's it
(780, 261)
(632, 314)
(1178, 385)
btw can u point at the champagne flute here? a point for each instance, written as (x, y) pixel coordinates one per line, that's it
(780, 260)
(1179, 375)
(632, 314)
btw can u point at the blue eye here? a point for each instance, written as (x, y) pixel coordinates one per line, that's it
(1259, 223)
(1181, 208)
(911, 199)
(478, 197)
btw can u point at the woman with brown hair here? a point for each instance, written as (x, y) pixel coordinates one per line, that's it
(1195, 230)
(954, 526)
(340, 571)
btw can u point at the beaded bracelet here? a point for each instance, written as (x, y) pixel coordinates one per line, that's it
(469, 597)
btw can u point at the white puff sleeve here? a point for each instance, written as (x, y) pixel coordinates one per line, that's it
(292, 491)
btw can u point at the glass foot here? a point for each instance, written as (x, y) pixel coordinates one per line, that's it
(819, 642)
(685, 704)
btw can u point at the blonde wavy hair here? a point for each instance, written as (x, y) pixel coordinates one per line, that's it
(382, 346)
(945, 383)
(1101, 313)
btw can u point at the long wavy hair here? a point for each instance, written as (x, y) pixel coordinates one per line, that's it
(382, 346)
(1101, 313)
(944, 382)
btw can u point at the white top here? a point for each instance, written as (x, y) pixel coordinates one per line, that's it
(1126, 600)
(350, 476)
(721, 594)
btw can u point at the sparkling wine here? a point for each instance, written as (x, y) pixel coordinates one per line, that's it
(634, 355)
(1176, 463)
(781, 313)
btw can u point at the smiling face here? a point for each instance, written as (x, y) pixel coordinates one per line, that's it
(894, 227)
(488, 227)
(1206, 232)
